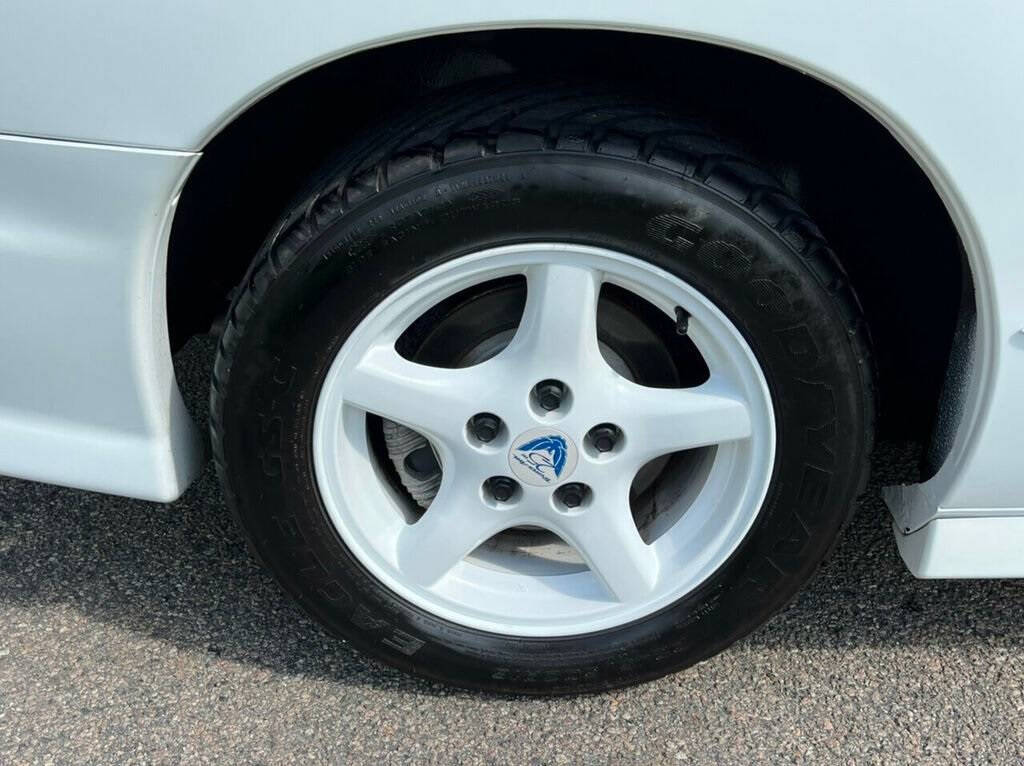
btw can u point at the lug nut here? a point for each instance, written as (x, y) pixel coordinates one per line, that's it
(604, 437)
(549, 394)
(485, 426)
(571, 495)
(501, 488)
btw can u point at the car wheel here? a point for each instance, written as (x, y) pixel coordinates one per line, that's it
(543, 391)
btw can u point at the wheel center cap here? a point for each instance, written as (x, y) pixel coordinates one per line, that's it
(542, 457)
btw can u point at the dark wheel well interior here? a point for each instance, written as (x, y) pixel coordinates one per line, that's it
(870, 198)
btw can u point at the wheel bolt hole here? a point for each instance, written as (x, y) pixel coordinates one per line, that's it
(572, 496)
(603, 439)
(550, 397)
(485, 428)
(502, 490)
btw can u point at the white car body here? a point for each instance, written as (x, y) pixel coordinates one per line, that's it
(106, 107)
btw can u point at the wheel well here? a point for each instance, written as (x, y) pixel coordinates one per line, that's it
(870, 198)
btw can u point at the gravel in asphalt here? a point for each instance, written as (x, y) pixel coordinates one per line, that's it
(133, 632)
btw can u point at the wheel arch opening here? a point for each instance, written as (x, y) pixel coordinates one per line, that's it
(873, 201)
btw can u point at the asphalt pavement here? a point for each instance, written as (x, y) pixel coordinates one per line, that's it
(133, 632)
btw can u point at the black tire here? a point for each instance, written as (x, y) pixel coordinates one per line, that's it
(504, 164)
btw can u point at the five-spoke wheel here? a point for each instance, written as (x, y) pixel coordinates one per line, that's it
(545, 433)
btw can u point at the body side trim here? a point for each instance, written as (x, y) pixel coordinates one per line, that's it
(87, 395)
(977, 547)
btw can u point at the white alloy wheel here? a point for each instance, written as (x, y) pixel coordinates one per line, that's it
(438, 560)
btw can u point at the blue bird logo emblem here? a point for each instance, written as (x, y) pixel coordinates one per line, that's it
(544, 454)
